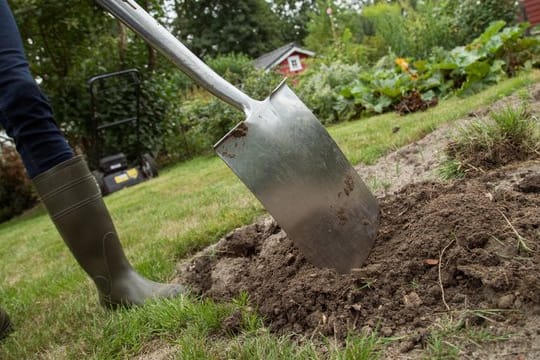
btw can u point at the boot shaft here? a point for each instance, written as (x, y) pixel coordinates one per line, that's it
(74, 202)
(5, 324)
(67, 187)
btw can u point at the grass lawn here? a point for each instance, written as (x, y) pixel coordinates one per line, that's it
(54, 305)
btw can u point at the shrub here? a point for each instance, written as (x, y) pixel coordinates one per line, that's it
(424, 33)
(16, 191)
(471, 18)
(410, 31)
(320, 87)
(405, 85)
(206, 119)
(202, 119)
(232, 67)
(389, 24)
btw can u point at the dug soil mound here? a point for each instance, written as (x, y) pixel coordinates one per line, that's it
(460, 246)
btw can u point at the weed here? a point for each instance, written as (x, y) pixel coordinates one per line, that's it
(516, 125)
(451, 169)
(524, 95)
(264, 345)
(376, 184)
(490, 315)
(367, 284)
(251, 322)
(452, 333)
(479, 335)
(438, 348)
(359, 347)
(398, 168)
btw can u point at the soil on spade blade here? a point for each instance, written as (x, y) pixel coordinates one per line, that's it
(469, 249)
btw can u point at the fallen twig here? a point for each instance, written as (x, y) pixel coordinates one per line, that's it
(440, 277)
(521, 240)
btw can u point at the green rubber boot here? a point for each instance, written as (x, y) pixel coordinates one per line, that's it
(75, 205)
(5, 325)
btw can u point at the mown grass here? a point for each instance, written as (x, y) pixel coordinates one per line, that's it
(54, 305)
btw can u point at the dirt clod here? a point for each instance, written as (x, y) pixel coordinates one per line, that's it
(530, 183)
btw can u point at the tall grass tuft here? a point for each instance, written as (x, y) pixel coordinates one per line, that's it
(509, 134)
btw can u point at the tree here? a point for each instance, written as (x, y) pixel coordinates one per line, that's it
(211, 27)
(294, 16)
(474, 16)
(330, 20)
(58, 37)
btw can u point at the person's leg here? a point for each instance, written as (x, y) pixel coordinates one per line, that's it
(63, 181)
(25, 112)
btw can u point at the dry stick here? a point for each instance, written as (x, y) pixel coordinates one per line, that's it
(520, 239)
(476, 168)
(440, 277)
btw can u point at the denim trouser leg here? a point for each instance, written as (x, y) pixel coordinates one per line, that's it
(25, 112)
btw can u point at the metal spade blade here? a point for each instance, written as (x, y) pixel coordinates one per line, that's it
(286, 157)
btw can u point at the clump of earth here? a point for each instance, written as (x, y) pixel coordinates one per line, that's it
(467, 250)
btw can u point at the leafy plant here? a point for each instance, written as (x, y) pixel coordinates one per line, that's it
(320, 88)
(407, 85)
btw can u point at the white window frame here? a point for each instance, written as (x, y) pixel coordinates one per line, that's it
(291, 60)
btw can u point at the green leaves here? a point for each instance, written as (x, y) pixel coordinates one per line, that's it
(495, 54)
(391, 84)
(212, 27)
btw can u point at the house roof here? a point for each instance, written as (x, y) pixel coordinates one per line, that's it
(275, 57)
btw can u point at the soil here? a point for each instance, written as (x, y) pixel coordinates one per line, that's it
(464, 251)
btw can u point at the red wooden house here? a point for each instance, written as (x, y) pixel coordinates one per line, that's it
(532, 11)
(288, 60)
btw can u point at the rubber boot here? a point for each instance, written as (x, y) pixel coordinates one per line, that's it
(5, 324)
(75, 205)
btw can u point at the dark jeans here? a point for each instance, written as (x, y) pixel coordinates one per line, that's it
(25, 113)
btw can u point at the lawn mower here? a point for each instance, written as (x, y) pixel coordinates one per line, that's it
(115, 106)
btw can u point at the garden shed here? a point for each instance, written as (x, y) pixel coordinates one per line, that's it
(532, 11)
(288, 60)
